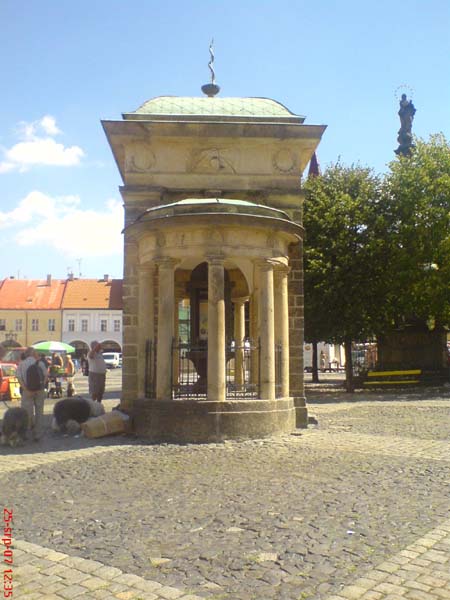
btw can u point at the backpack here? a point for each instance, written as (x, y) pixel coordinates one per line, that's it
(34, 377)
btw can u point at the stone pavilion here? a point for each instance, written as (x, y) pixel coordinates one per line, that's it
(213, 284)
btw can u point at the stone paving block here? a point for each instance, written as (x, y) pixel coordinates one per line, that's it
(395, 579)
(56, 569)
(416, 585)
(73, 575)
(435, 556)
(390, 566)
(108, 572)
(101, 594)
(389, 588)
(128, 595)
(142, 595)
(352, 592)
(127, 579)
(72, 591)
(419, 562)
(94, 583)
(419, 595)
(169, 593)
(55, 556)
(433, 582)
(371, 595)
(442, 593)
(147, 585)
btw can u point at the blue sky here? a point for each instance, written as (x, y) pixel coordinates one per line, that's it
(66, 65)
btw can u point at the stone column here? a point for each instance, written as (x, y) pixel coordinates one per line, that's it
(146, 315)
(266, 328)
(239, 336)
(282, 324)
(166, 311)
(216, 329)
(254, 327)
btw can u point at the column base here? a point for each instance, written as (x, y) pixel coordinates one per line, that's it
(189, 421)
(301, 413)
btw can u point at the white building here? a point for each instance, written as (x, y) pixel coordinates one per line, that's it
(92, 310)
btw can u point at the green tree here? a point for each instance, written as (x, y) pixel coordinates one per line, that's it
(417, 207)
(345, 256)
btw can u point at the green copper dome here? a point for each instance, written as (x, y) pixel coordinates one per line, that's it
(190, 108)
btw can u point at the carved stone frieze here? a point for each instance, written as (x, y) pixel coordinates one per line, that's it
(285, 161)
(213, 160)
(139, 157)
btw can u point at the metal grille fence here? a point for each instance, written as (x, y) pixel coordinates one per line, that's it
(189, 376)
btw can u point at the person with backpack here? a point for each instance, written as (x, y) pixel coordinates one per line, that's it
(32, 375)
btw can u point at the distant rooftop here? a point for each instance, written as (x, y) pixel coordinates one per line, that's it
(171, 107)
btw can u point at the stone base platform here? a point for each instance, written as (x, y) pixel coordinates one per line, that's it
(204, 421)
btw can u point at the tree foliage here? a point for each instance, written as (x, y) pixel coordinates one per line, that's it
(344, 254)
(417, 201)
(377, 250)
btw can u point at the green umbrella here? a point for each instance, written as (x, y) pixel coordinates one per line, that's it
(53, 346)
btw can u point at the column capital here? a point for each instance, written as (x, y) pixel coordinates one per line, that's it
(215, 259)
(264, 264)
(241, 300)
(165, 262)
(146, 268)
(280, 269)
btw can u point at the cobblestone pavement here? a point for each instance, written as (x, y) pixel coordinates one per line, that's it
(357, 507)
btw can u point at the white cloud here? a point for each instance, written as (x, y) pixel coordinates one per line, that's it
(39, 148)
(61, 225)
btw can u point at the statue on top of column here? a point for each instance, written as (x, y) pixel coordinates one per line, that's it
(406, 114)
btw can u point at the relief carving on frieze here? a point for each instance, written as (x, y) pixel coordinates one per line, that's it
(212, 160)
(139, 157)
(285, 161)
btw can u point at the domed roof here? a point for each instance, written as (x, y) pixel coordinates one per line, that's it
(211, 205)
(203, 108)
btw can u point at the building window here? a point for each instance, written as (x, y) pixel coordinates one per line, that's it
(18, 325)
(34, 324)
(116, 324)
(103, 325)
(84, 325)
(71, 324)
(52, 324)
(2, 324)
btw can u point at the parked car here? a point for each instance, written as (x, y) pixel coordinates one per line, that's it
(112, 359)
(14, 355)
(9, 384)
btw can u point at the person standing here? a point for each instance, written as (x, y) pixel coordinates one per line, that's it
(69, 368)
(32, 375)
(97, 371)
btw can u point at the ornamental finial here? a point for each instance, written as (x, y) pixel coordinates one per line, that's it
(211, 89)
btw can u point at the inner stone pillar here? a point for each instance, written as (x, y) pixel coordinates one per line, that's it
(145, 321)
(254, 327)
(267, 330)
(166, 311)
(282, 324)
(216, 330)
(239, 336)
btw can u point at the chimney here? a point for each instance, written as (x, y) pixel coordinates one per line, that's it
(69, 276)
(49, 280)
(106, 277)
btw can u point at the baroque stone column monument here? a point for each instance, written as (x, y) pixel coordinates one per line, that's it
(213, 280)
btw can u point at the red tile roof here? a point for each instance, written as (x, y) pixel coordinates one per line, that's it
(37, 294)
(31, 294)
(92, 294)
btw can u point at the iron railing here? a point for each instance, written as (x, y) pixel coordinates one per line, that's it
(189, 374)
(150, 369)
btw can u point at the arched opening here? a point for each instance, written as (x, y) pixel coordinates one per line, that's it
(81, 348)
(111, 346)
(190, 348)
